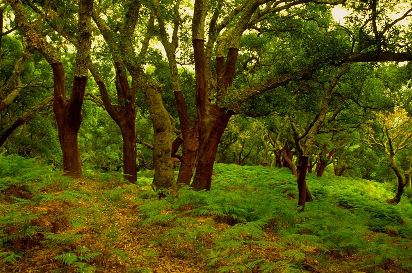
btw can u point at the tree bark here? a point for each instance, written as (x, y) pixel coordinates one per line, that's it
(401, 181)
(408, 180)
(2, 8)
(162, 145)
(304, 194)
(339, 170)
(188, 160)
(68, 120)
(67, 111)
(324, 159)
(321, 166)
(278, 158)
(311, 164)
(287, 156)
(211, 134)
(190, 138)
(12, 84)
(128, 131)
(70, 149)
(124, 115)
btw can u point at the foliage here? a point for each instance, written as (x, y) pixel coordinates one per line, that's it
(248, 222)
(252, 203)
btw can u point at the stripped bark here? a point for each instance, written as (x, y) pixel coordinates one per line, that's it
(67, 110)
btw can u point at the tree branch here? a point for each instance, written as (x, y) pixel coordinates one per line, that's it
(28, 115)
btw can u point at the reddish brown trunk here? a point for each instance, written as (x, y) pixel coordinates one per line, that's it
(70, 149)
(304, 194)
(129, 150)
(399, 191)
(321, 167)
(69, 131)
(188, 162)
(288, 160)
(190, 145)
(124, 114)
(68, 119)
(210, 138)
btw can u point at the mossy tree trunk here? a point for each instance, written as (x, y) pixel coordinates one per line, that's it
(162, 145)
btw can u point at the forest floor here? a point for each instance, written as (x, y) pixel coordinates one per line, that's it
(247, 223)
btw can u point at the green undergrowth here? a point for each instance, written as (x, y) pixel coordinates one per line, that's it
(349, 226)
(248, 222)
(54, 222)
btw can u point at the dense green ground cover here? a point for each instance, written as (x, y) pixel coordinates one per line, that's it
(247, 223)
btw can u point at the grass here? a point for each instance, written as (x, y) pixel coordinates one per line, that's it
(248, 222)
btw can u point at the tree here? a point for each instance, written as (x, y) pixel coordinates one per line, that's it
(392, 132)
(67, 110)
(217, 35)
(125, 62)
(16, 70)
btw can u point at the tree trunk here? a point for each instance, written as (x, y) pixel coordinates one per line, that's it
(321, 167)
(67, 112)
(2, 9)
(408, 180)
(129, 149)
(123, 114)
(399, 191)
(162, 144)
(304, 194)
(288, 160)
(278, 158)
(189, 155)
(190, 145)
(68, 119)
(211, 133)
(401, 181)
(311, 164)
(70, 149)
(339, 170)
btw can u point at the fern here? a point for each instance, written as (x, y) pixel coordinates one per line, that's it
(16, 170)
(60, 239)
(16, 225)
(156, 212)
(10, 256)
(87, 255)
(115, 195)
(79, 260)
(68, 258)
